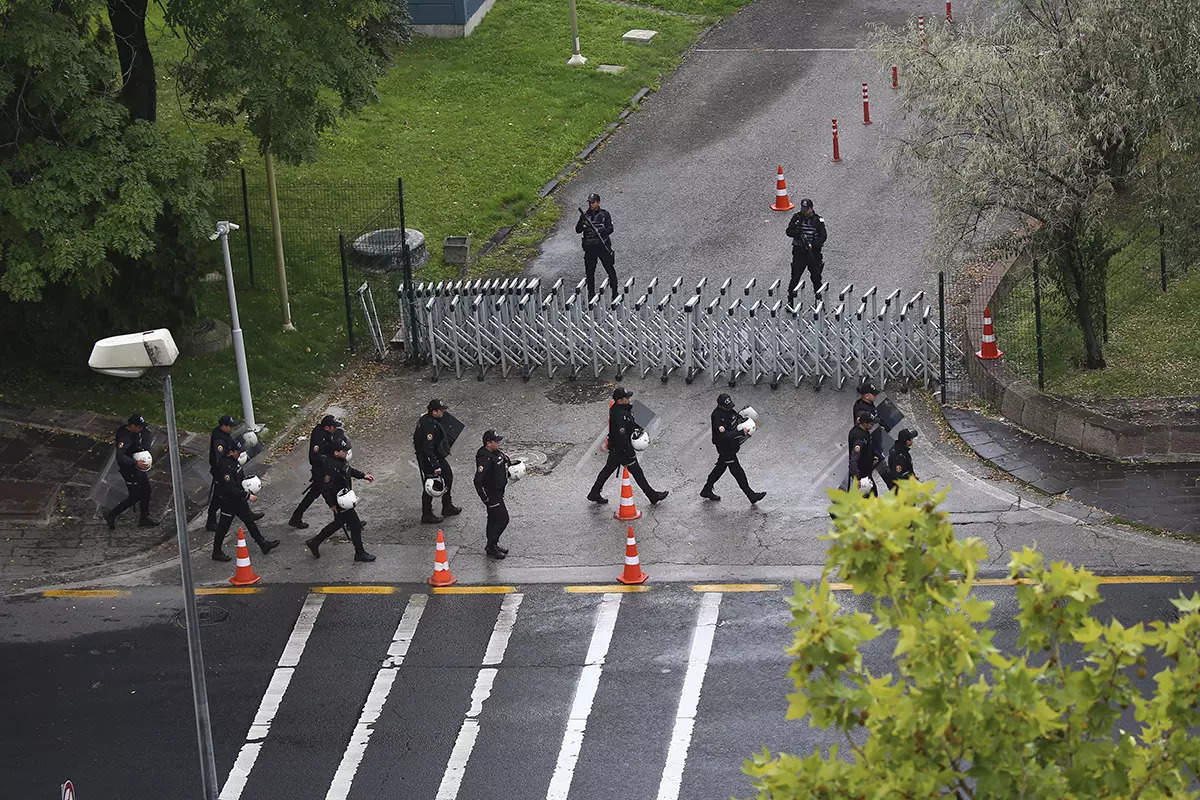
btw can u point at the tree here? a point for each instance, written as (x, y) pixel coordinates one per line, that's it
(957, 717)
(1040, 113)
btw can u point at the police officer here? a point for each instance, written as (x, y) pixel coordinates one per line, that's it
(621, 426)
(132, 437)
(219, 442)
(596, 226)
(318, 445)
(900, 464)
(428, 441)
(807, 231)
(337, 474)
(491, 476)
(866, 404)
(862, 453)
(234, 501)
(728, 439)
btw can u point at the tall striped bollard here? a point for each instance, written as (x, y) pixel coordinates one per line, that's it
(949, 14)
(895, 77)
(866, 106)
(836, 155)
(921, 25)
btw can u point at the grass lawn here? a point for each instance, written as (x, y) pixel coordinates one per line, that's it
(475, 127)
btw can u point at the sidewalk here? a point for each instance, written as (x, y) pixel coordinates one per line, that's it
(1163, 496)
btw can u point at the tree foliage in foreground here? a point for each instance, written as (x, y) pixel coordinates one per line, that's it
(1068, 715)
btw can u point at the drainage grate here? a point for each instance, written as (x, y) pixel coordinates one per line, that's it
(208, 612)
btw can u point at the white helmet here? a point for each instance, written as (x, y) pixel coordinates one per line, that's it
(749, 413)
(347, 499)
(253, 484)
(748, 427)
(349, 454)
(243, 457)
(249, 439)
(143, 460)
(640, 439)
(435, 487)
(865, 486)
(516, 470)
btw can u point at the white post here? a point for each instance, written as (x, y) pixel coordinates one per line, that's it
(239, 346)
(576, 60)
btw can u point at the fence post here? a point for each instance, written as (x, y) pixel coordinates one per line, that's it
(410, 308)
(1037, 325)
(1162, 230)
(942, 332)
(346, 290)
(246, 217)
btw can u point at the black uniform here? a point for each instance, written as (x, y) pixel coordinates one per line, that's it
(491, 477)
(338, 475)
(862, 458)
(429, 445)
(127, 443)
(862, 406)
(900, 464)
(319, 445)
(728, 440)
(219, 443)
(596, 227)
(621, 453)
(234, 501)
(808, 237)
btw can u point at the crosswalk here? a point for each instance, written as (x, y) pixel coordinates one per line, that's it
(529, 694)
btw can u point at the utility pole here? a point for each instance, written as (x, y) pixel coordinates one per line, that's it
(239, 346)
(576, 60)
(277, 235)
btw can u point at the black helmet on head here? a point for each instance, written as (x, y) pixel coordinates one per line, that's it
(593, 198)
(724, 401)
(866, 416)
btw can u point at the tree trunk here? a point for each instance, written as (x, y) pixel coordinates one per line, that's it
(139, 89)
(1085, 312)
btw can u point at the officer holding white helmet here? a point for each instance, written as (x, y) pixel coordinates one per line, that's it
(233, 498)
(729, 430)
(338, 492)
(491, 478)
(430, 444)
(863, 458)
(319, 445)
(132, 439)
(622, 429)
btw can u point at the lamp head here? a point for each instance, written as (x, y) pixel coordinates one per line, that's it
(131, 354)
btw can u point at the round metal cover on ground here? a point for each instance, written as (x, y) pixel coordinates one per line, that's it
(206, 614)
(381, 250)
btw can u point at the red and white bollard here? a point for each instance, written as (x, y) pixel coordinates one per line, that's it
(866, 106)
(921, 25)
(836, 155)
(895, 77)
(949, 15)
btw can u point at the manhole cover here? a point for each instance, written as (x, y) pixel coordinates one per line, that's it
(586, 390)
(207, 613)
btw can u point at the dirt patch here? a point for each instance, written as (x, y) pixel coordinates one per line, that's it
(581, 392)
(1171, 411)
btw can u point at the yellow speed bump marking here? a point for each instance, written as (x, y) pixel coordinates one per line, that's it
(354, 589)
(602, 589)
(85, 593)
(474, 589)
(229, 590)
(735, 587)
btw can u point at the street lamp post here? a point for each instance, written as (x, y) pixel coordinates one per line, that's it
(130, 356)
(239, 346)
(576, 60)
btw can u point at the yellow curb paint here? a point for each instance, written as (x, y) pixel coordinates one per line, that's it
(999, 581)
(593, 589)
(85, 593)
(841, 587)
(735, 587)
(354, 589)
(1146, 579)
(229, 590)
(474, 589)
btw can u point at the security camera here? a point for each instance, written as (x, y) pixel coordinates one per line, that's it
(131, 354)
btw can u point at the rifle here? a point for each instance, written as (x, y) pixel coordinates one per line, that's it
(595, 231)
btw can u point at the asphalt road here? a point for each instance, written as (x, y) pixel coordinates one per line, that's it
(473, 697)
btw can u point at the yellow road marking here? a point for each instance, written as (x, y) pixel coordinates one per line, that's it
(600, 589)
(841, 587)
(735, 587)
(85, 593)
(354, 589)
(474, 589)
(1104, 579)
(229, 590)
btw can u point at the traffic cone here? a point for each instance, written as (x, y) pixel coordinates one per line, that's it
(782, 203)
(987, 348)
(633, 567)
(442, 576)
(244, 574)
(627, 511)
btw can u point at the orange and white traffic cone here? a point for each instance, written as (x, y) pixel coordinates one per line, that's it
(244, 574)
(442, 576)
(627, 511)
(782, 203)
(988, 351)
(633, 567)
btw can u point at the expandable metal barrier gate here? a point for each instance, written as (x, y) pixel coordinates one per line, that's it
(732, 334)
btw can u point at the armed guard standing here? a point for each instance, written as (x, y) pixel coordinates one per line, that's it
(596, 226)
(234, 493)
(338, 492)
(807, 231)
(429, 442)
(318, 445)
(900, 464)
(219, 442)
(729, 430)
(622, 430)
(133, 461)
(862, 453)
(491, 477)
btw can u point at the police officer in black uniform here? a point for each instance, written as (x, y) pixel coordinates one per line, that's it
(338, 475)
(866, 404)
(807, 231)
(862, 452)
(318, 445)
(131, 438)
(596, 226)
(491, 477)
(428, 443)
(234, 501)
(900, 464)
(621, 427)
(219, 442)
(728, 439)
